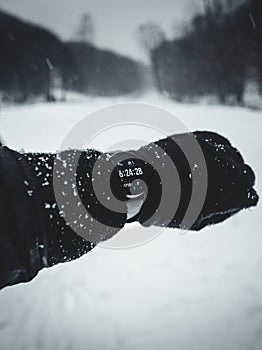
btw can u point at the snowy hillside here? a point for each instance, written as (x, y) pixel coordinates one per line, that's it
(192, 291)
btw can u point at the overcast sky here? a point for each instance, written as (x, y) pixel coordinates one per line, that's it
(115, 21)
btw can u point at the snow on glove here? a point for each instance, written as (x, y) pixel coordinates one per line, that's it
(76, 218)
(198, 179)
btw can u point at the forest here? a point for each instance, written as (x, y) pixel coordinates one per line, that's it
(218, 53)
(35, 62)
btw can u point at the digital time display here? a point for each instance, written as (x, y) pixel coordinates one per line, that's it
(128, 172)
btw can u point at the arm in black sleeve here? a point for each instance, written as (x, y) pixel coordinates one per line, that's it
(34, 232)
(22, 227)
(50, 211)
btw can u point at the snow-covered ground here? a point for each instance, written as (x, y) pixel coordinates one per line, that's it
(194, 291)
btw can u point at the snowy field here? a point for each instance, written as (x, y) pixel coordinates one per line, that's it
(198, 291)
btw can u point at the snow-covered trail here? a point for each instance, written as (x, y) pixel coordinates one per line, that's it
(193, 291)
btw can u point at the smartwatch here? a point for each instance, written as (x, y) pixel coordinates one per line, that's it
(133, 180)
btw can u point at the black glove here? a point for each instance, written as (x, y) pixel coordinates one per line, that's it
(196, 179)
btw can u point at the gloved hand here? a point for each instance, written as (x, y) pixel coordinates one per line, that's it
(196, 179)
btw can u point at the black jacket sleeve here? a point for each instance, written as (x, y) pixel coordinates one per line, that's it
(33, 231)
(23, 234)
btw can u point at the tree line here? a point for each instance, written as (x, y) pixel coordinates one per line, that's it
(35, 62)
(217, 54)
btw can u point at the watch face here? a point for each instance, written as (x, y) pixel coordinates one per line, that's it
(131, 173)
(128, 176)
(136, 182)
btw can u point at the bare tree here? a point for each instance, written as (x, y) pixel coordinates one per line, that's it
(85, 31)
(150, 35)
